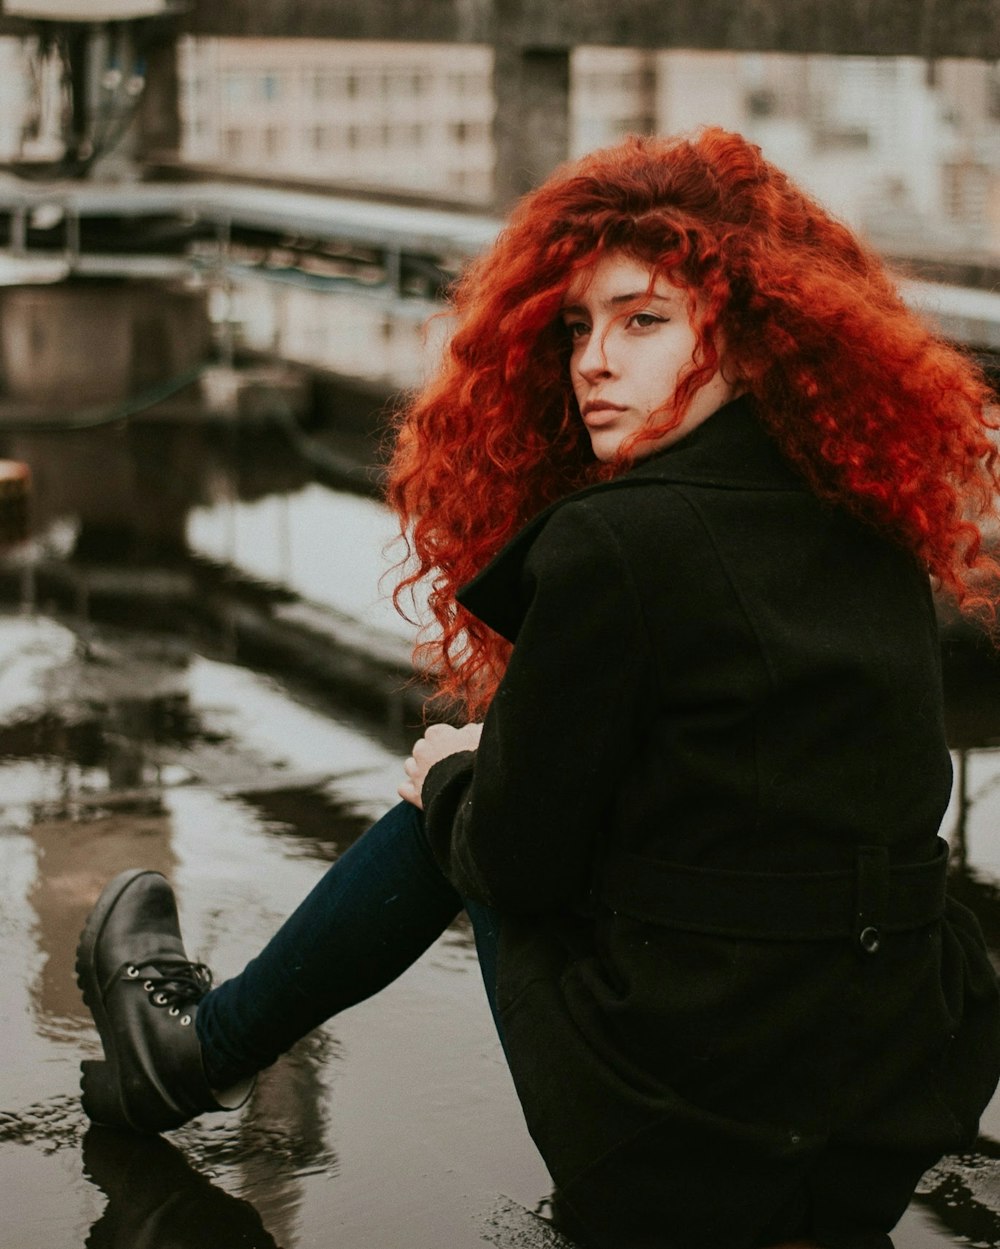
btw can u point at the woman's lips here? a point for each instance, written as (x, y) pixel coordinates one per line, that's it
(599, 412)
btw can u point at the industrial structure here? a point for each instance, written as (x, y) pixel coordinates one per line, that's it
(247, 186)
(111, 45)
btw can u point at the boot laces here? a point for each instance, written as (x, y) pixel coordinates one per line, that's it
(176, 982)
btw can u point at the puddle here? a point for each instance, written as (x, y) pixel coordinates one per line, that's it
(395, 1124)
(331, 548)
(385, 1127)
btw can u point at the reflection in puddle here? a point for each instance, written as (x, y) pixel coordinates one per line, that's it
(156, 1197)
(961, 1195)
(330, 548)
(396, 1123)
(167, 498)
(119, 749)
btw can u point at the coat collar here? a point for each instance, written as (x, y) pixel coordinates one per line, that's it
(729, 451)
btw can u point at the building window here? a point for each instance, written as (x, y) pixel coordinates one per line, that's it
(269, 86)
(845, 138)
(232, 144)
(762, 102)
(273, 141)
(324, 138)
(966, 192)
(327, 84)
(235, 88)
(468, 131)
(629, 125)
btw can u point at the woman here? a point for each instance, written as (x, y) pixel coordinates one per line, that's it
(679, 487)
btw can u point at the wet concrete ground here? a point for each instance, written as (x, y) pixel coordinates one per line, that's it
(394, 1125)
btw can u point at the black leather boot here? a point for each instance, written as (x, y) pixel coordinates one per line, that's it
(143, 992)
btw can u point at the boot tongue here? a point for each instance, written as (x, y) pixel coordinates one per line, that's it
(145, 949)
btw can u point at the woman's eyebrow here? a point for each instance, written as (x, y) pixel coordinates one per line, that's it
(628, 297)
(632, 297)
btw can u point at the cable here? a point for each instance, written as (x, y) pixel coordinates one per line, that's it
(116, 111)
(94, 418)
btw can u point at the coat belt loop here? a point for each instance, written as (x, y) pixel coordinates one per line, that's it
(872, 892)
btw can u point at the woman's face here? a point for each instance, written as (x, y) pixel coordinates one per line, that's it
(629, 347)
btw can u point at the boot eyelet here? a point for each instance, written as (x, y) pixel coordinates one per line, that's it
(131, 972)
(148, 986)
(185, 1020)
(160, 999)
(174, 1010)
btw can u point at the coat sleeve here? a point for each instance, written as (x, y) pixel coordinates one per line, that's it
(518, 825)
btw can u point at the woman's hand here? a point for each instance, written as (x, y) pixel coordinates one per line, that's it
(440, 741)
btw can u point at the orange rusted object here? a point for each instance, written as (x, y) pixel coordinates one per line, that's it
(15, 493)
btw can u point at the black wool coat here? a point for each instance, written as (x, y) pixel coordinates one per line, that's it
(736, 1003)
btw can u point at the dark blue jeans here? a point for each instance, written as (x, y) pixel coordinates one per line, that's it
(371, 916)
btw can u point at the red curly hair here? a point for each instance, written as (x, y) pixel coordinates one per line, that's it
(877, 411)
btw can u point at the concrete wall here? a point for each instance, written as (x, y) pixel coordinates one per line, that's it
(76, 345)
(882, 27)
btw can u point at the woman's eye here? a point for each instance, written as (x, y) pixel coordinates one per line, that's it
(643, 320)
(577, 329)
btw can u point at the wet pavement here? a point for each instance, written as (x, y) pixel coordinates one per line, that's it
(158, 744)
(395, 1124)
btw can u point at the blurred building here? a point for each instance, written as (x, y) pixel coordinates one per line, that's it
(907, 151)
(14, 105)
(403, 115)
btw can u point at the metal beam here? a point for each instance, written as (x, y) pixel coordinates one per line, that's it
(926, 28)
(438, 21)
(533, 38)
(934, 28)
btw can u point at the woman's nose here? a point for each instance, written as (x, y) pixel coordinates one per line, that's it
(592, 362)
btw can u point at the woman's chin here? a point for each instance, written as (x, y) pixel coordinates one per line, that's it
(605, 444)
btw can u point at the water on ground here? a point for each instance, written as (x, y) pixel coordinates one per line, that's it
(395, 1125)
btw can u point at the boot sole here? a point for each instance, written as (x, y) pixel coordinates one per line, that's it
(100, 1085)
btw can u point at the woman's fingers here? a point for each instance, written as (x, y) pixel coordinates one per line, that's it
(440, 741)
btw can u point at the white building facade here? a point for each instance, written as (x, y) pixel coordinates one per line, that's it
(408, 116)
(905, 152)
